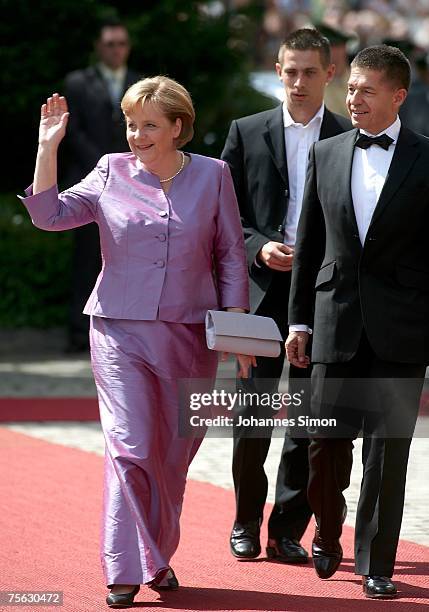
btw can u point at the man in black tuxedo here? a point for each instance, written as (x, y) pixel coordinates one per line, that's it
(95, 127)
(267, 154)
(364, 291)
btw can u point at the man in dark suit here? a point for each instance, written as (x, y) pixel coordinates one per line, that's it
(96, 127)
(267, 154)
(367, 193)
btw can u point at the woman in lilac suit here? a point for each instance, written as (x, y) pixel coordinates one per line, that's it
(172, 248)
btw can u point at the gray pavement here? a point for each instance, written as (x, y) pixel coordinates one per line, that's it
(29, 371)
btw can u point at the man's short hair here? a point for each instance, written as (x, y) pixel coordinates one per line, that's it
(109, 22)
(390, 60)
(307, 39)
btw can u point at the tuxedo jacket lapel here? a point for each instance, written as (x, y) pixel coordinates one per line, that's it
(342, 175)
(404, 157)
(274, 137)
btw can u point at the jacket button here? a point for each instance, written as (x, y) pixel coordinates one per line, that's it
(162, 237)
(286, 193)
(163, 213)
(160, 263)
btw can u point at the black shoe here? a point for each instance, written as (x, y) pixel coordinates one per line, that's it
(168, 582)
(378, 587)
(124, 600)
(327, 555)
(286, 550)
(244, 540)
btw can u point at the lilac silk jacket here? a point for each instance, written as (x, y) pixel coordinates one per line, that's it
(168, 257)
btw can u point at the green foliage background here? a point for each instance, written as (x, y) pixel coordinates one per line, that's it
(34, 270)
(42, 41)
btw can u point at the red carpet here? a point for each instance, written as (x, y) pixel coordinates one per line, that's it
(48, 409)
(50, 500)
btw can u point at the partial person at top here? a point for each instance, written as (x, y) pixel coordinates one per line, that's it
(96, 127)
(414, 112)
(336, 91)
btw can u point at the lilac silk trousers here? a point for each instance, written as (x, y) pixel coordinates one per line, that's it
(137, 366)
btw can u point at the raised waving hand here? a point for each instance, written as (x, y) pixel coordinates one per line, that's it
(53, 120)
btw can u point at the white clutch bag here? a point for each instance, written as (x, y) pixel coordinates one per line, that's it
(236, 332)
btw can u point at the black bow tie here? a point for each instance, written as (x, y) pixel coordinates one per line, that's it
(364, 142)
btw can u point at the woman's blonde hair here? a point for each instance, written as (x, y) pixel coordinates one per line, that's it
(172, 99)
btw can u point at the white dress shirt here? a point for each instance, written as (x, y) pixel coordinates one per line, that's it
(369, 170)
(298, 139)
(115, 80)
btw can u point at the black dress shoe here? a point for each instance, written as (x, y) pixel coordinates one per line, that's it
(124, 600)
(244, 540)
(378, 587)
(169, 582)
(286, 550)
(327, 555)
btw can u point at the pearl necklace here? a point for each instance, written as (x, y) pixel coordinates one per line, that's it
(182, 165)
